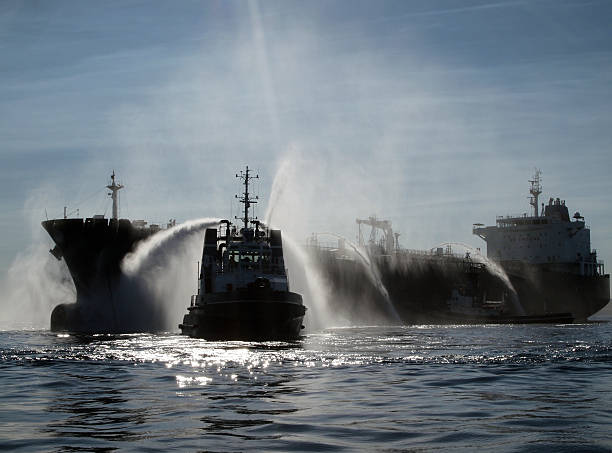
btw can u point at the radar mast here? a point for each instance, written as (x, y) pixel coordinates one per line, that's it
(246, 200)
(114, 188)
(535, 190)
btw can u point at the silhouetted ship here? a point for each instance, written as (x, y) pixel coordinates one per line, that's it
(93, 249)
(243, 291)
(539, 269)
(548, 258)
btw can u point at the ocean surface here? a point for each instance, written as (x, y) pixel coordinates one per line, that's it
(390, 389)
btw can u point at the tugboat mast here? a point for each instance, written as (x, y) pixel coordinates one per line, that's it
(114, 188)
(535, 190)
(246, 200)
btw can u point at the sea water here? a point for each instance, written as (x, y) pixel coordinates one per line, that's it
(411, 388)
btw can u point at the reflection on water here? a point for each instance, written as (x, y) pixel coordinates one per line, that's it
(366, 388)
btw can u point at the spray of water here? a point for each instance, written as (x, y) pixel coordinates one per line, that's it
(295, 202)
(494, 269)
(306, 279)
(373, 274)
(304, 275)
(35, 281)
(281, 180)
(153, 251)
(159, 277)
(34, 284)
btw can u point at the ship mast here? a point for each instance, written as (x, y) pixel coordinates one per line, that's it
(246, 200)
(535, 190)
(114, 188)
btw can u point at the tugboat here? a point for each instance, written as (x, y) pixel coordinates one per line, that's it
(243, 291)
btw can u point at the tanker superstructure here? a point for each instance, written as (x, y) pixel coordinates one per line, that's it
(548, 258)
(93, 249)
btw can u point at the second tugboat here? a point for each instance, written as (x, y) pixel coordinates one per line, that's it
(243, 291)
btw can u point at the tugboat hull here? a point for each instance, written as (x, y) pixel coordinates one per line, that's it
(253, 319)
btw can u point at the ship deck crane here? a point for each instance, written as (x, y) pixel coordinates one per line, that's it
(388, 242)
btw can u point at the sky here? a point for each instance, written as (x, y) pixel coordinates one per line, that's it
(432, 114)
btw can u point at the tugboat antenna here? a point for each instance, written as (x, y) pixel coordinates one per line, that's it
(114, 188)
(246, 200)
(535, 190)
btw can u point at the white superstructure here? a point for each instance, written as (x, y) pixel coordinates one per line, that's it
(549, 237)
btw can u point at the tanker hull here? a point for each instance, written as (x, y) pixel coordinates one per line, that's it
(93, 249)
(419, 289)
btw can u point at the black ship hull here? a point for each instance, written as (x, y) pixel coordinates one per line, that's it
(251, 317)
(93, 250)
(419, 288)
(542, 289)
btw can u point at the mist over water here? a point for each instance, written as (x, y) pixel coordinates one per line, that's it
(289, 209)
(160, 276)
(305, 279)
(35, 283)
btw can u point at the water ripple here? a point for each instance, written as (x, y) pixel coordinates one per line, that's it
(391, 388)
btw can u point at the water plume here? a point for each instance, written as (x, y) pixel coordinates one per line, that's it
(35, 281)
(295, 206)
(373, 274)
(305, 278)
(159, 277)
(152, 251)
(282, 178)
(494, 269)
(34, 284)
